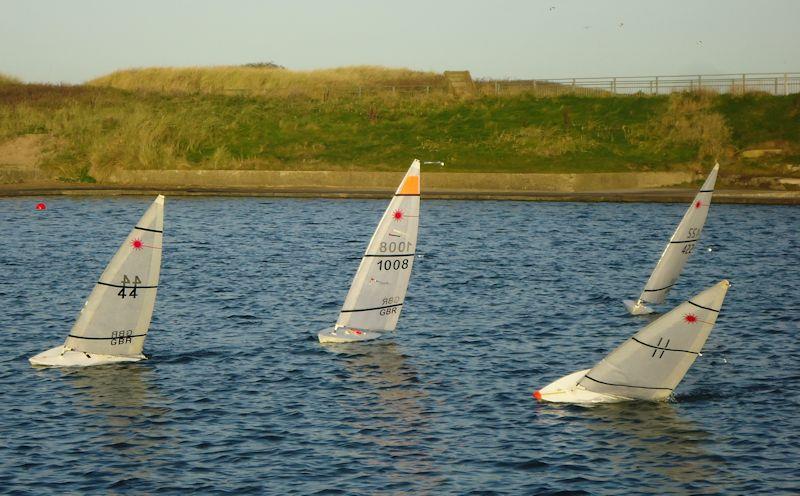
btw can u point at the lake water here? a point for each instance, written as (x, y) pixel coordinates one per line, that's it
(238, 397)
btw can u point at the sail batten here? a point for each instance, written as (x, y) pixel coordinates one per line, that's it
(681, 244)
(378, 290)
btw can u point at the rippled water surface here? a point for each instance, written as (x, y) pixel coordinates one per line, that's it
(238, 397)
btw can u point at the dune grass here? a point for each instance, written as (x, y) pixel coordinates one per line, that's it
(6, 79)
(267, 81)
(95, 128)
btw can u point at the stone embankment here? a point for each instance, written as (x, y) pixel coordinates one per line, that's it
(359, 181)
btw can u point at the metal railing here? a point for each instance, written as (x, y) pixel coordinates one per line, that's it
(783, 83)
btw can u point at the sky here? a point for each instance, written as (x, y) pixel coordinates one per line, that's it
(74, 41)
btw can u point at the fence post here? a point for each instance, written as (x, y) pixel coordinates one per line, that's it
(744, 84)
(651, 87)
(359, 91)
(699, 82)
(785, 84)
(394, 90)
(614, 85)
(428, 90)
(496, 88)
(776, 86)
(656, 85)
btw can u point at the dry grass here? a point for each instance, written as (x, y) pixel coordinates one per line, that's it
(6, 79)
(264, 81)
(689, 120)
(545, 141)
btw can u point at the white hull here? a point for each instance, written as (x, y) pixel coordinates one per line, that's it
(566, 390)
(346, 335)
(58, 357)
(636, 308)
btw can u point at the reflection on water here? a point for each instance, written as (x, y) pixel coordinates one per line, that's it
(650, 437)
(388, 411)
(117, 403)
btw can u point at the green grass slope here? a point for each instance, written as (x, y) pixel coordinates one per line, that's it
(91, 128)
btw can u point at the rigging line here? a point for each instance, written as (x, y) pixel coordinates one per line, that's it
(661, 289)
(400, 255)
(701, 306)
(624, 385)
(114, 337)
(126, 286)
(664, 348)
(368, 309)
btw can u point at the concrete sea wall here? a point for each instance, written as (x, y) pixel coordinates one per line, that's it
(378, 181)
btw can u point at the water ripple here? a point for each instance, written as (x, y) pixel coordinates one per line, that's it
(238, 397)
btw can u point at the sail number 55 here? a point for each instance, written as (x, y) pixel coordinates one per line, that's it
(392, 264)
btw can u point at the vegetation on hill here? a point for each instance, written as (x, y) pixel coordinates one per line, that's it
(93, 127)
(265, 79)
(6, 79)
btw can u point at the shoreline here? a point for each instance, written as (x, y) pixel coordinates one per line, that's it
(649, 195)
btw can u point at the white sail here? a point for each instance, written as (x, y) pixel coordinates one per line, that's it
(650, 365)
(681, 244)
(115, 319)
(379, 287)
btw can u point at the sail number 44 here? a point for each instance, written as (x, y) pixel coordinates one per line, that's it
(125, 281)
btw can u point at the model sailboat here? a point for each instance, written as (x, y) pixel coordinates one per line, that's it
(651, 364)
(677, 252)
(114, 321)
(376, 296)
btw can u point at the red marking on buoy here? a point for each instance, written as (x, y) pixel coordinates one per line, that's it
(698, 204)
(137, 244)
(537, 395)
(398, 215)
(690, 318)
(41, 206)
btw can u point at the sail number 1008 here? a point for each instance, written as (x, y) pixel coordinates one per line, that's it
(393, 264)
(395, 246)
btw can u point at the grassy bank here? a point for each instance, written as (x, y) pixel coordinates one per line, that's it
(6, 79)
(95, 127)
(271, 81)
